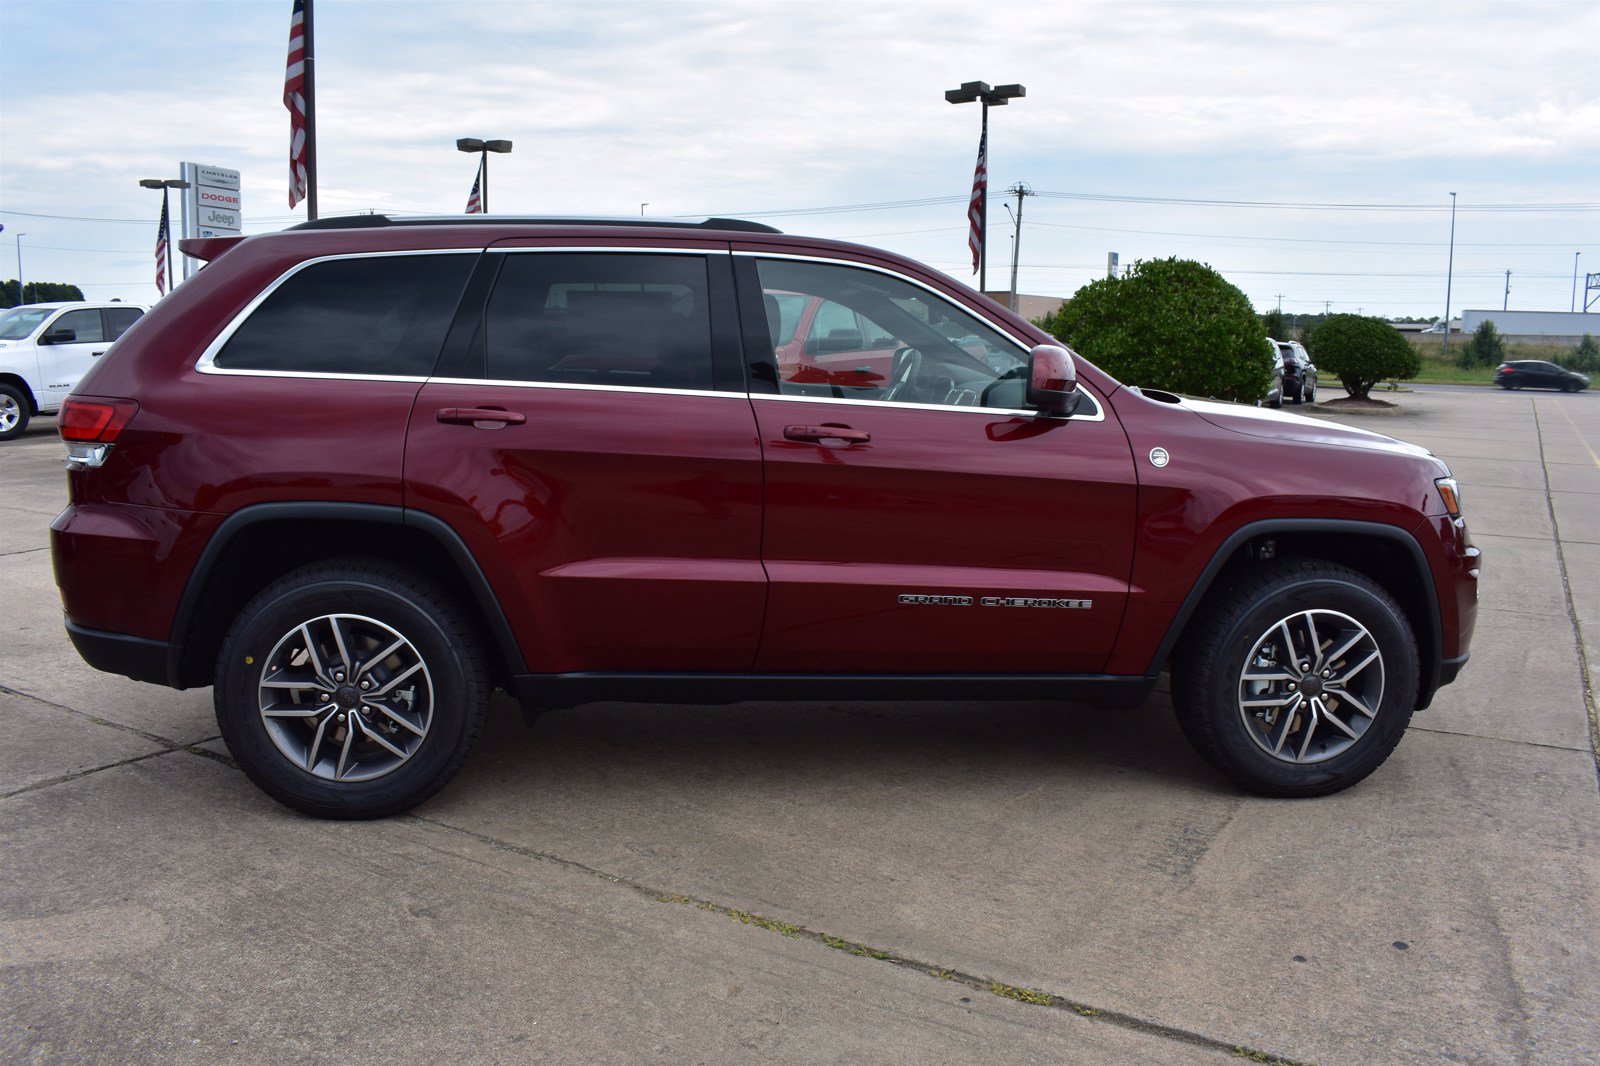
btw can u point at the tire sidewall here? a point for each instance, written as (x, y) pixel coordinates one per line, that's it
(258, 631)
(1389, 629)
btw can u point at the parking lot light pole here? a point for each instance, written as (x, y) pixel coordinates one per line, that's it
(164, 184)
(1449, 274)
(1572, 307)
(20, 300)
(483, 148)
(995, 96)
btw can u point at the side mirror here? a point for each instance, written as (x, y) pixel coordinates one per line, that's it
(1052, 380)
(59, 336)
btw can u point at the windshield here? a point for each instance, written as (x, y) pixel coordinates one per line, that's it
(18, 322)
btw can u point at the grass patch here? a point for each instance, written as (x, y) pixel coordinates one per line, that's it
(1022, 995)
(1439, 370)
(747, 918)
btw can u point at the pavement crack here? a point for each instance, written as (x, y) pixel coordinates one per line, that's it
(1497, 740)
(25, 551)
(155, 738)
(1585, 675)
(1030, 996)
(76, 774)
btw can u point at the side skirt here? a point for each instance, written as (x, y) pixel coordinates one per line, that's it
(542, 692)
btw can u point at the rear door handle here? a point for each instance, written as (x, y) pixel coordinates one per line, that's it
(473, 416)
(828, 435)
(102, 351)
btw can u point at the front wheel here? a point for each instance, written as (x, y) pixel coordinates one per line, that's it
(13, 412)
(1297, 678)
(351, 689)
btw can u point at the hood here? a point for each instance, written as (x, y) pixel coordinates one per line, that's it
(1281, 425)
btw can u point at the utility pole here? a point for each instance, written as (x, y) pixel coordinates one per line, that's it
(1506, 303)
(1019, 190)
(1280, 303)
(1325, 305)
(1450, 270)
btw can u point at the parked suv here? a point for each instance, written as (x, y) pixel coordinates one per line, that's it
(46, 348)
(357, 474)
(1299, 373)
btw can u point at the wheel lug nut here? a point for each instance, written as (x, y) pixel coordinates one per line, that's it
(338, 677)
(341, 716)
(1327, 673)
(366, 684)
(323, 697)
(1292, 686)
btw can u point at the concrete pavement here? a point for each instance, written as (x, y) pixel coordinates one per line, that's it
(815, 882)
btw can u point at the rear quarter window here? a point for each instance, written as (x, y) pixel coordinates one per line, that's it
(380, 315)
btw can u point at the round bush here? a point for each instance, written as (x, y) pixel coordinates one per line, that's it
(1171, 324)
(1361, 352)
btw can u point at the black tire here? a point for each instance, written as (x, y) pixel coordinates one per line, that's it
(1300, 395)
(1208, 687)
(14, 412)
(373, 601)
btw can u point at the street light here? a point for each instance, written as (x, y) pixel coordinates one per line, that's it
(164, 184)
(996, 96)
(1449, 275)
(20, 300)
(483, 148)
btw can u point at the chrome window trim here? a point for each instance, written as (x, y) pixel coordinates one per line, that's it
(1098, 416)
(1022, 345)
(651, 390)
(206, 364)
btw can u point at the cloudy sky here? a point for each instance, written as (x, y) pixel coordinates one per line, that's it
(829, 119)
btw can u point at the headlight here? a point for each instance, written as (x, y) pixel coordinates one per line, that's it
(1450, 493)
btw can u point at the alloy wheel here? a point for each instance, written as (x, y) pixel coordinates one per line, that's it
(345, 697)
(1311, 686)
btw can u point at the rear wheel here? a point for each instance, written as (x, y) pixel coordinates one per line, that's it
(13, 412)
(1297, 678)
(351, 689)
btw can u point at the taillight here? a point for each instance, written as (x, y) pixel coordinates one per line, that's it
(90, 426)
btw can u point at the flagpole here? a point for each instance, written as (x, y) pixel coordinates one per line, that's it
(983, 206)
(311, 118)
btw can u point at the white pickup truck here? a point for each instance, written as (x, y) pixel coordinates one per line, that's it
(46, 348)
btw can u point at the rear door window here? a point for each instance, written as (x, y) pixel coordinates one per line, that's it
(118, 319)
(383, 315)
(603, 319)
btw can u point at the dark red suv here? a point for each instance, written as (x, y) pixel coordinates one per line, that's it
(357, 474)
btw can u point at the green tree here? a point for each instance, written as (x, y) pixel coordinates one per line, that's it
(1171, 324)
(39, 292)
(1585, 358)
(1276, 324)
(1486, 348)
(1362, 351)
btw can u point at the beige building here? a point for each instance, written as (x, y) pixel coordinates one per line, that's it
(1029, 306)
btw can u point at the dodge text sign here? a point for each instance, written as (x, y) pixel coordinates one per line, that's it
(212, 204)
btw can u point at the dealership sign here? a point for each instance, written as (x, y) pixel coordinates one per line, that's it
(211, 205)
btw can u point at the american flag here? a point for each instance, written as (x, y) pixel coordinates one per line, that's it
(975, 208)
(294, 98)
(474, 201)
(161, 251)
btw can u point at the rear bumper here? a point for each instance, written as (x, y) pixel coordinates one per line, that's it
(118, 653)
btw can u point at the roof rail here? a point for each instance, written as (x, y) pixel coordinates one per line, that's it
(375, 221)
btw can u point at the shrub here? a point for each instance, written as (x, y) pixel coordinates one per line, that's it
(1171, 324)
(1585, 358)
(1486, 348)
(1361, 352)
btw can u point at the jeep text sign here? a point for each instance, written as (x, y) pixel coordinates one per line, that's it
(212, 204)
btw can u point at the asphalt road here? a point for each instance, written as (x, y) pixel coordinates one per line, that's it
(834, 882)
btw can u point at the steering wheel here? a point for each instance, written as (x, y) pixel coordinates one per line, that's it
(906, 368)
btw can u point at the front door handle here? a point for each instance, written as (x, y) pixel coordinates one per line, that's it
(830, 435)
(102, 351)
(495, 417)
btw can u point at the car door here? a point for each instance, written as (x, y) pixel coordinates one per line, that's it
(62, 363)
(932, 525)
(591, 440)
